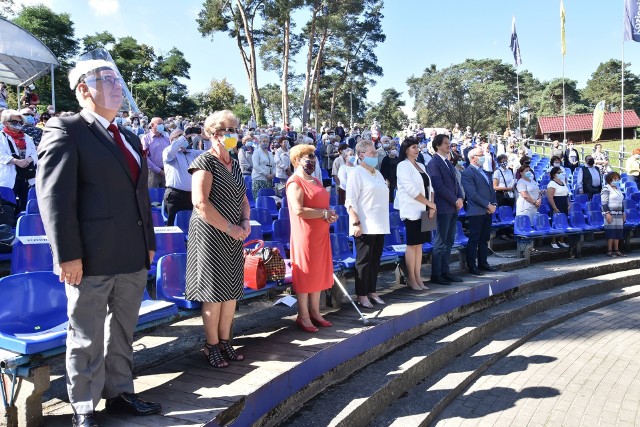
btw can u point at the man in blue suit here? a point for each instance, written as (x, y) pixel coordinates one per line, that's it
(481, 204)
(448, 199)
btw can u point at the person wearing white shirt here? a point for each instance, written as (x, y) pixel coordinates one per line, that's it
(503, 183)
(414, 196)
(367, 204)
(263, 166)
(346, 169)
(283, 163)
(558, 196)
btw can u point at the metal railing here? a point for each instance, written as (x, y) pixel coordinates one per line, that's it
(545, 148)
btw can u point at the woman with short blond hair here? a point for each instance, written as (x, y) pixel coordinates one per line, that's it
(310, 217)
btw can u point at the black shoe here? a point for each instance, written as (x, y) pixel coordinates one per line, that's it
(84, 420)
(440, 280)
(476, 272)
(132, 404)
(488, 267)
(452, 278)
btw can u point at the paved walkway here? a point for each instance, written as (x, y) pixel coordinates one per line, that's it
(584, 372)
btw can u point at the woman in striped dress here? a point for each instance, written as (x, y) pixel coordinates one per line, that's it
(612, 206)
(219, 224)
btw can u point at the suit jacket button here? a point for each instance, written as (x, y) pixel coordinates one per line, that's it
(139, 222)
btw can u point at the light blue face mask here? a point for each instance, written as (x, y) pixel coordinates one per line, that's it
(371, 161)
(352, 159)
(528, 175)
(184, 143)
(159, 128)
(480, 160)
(616, 183)
(29, 120)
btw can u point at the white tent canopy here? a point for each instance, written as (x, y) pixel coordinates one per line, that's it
(23, 58)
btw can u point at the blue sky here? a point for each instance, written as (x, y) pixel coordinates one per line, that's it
(419, 33)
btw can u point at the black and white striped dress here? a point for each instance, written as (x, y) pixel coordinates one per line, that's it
(215, 265)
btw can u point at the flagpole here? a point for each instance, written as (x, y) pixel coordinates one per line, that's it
(518, 91)
(564, 106)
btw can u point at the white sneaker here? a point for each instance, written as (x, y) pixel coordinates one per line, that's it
(563, 244)
(555, 246)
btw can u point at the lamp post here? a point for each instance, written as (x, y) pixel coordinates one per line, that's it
(350, 110)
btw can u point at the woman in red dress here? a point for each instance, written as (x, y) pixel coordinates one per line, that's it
(310, 216)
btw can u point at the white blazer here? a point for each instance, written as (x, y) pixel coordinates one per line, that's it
(410, 184)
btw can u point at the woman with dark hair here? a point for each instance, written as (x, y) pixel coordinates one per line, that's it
(413, 197)
(612, 206)
(558, 195)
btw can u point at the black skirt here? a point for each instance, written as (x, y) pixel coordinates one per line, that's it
(414, 235)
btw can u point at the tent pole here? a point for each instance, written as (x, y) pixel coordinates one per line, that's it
(18, 95)
(53, 90)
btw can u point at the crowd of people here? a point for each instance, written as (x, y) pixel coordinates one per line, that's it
(83, 163)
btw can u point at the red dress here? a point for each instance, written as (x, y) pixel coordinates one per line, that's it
(311, 261)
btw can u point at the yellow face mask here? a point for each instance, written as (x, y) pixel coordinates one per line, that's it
(230, 140)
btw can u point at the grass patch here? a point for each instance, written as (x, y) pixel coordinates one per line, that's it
(612, 147)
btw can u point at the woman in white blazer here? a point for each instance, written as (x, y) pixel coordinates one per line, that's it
(414, 196)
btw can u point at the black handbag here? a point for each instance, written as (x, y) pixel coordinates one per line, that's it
(7, 213)
(7, 237)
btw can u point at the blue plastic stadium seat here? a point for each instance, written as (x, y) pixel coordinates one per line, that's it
(167, 243)
(156, 195)
(255, 234)
(152, 310)
(576, 219)
(633, 217)
(593, 205)
(157, 218)
(32, 207)
(31, 257)
(263, 216)
(282, 231)
(183, 218)
(170, 280)
(596, 219)
(581, 198)
(266, 192)
(460, 239)
(268, 203)
(10, 195)
(283, 213)
(522, 227)
(36, 318)
(341, 225)
(341, 210)
(249, 194)
(541, 224)
(462, 213)
(29, 225)
(635, 196)
(505, 213)
(544, 209)
(560, 222)
(340, 250)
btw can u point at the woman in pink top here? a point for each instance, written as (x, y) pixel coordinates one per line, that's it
(310, 216)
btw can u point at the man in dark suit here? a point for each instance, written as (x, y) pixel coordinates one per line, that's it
(448, 199)
(340, 132)
(94, 201)
(481, 204)
(571, 158)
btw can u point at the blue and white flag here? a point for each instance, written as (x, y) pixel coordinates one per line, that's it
(515, 47)
(632, 20)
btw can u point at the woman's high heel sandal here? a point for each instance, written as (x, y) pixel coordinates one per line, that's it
(229, 352)
(214, 357)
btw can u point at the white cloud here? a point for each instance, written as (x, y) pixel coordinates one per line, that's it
(104, 7)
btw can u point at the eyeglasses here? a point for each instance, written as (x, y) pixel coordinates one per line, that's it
(16, 122)
(311, 156)
(228, 130)
(108, 80)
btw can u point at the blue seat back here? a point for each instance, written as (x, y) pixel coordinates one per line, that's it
(268, 203)
(282, 231)
(633, 215)
(263, 216)
(32, 207)
(541, 222)
(276, 245)
(283, 213)
(12, 197)
(577, 220)
(255, 234)
(171, 280)
(581, 198)
(393, 238)
(341, 225)
(266, 192)
(249, 194)
(38, 303)
(505, 213)
(635, 196)
(156, 195)
(31, 257)
(341, 210)
(183, 218)
(630, 204)
(594, 205)
(560, 221)
(522, 224)
(169, 243)
(596, 198)
(340, 246)
(29, 225)
(157, 218)
(596, 219)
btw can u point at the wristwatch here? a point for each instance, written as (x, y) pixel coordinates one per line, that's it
(355, 224)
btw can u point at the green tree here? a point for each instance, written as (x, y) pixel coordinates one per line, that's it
(6, 8)
(103, 40)
(604, 85)
(388, 112)
(272, 102)
(169, 68)
(549, 101)
(236, 18)
(56, 31)
(135, 61)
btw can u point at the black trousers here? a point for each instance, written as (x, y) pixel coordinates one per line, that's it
(368, 252)
(176, 200)
(479, 235)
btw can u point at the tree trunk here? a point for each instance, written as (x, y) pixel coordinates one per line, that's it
(285, 70)
(308, 81)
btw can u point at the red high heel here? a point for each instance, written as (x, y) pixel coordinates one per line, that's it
(310, 329)
(321, 322)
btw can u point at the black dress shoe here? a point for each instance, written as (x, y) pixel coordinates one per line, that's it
(132, 404)
(84, 420)
(440, 280)
(452, 278)
(488, 267)
(476, 272)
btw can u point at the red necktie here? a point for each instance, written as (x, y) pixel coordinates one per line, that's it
(131, 161)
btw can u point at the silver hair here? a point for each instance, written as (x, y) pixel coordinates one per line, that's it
(362, 146)
(308, 140)
(6, 115)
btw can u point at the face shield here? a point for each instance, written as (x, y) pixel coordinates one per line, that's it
(99, 72)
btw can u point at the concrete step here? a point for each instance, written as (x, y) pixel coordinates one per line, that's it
(366, 395)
